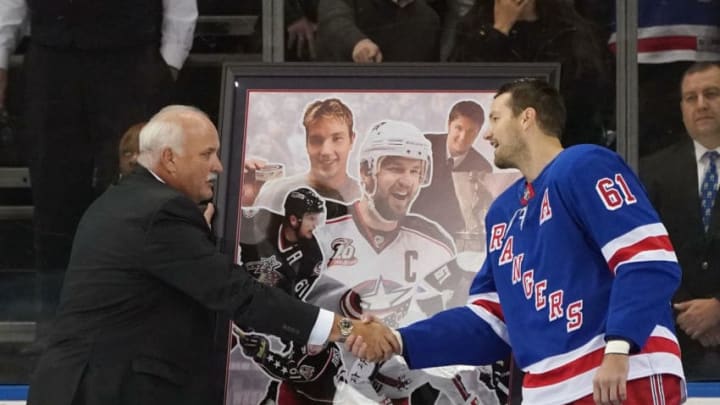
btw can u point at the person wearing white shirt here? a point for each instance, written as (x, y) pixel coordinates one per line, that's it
(92, 69)
(682, 182)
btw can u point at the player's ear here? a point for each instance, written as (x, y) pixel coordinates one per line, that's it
(529, 115)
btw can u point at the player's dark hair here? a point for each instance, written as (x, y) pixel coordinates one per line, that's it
(469, 109)
(540, 96)
(302, 201)
(329, 108)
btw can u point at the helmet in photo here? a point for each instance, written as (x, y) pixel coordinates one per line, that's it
(396, 138)
(301, 201)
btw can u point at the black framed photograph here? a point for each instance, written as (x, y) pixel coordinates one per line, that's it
(361, 189)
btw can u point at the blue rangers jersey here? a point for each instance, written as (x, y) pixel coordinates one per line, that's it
(574, 257)
(677, 30)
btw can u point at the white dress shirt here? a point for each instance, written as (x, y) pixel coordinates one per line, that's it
(702, 163)
(178, 27)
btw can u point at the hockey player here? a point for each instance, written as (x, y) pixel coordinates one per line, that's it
(329, 137)
(578, 277)
(301, 375)
(281, 250)
(382, 260)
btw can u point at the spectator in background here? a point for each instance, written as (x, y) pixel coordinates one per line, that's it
(301, 23)
(92, 69)
(672, 34)
(374, 31)
(545, 31)
(129, 149)
(679, 180)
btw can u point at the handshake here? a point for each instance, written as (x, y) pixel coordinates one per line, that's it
(368, 339)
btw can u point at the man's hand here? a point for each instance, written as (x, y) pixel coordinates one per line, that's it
(610, 381)
(506, 14)
(3, 86)
(696, 317)
(381, 344)
(710, 338)
(301, 33)
(366, 51)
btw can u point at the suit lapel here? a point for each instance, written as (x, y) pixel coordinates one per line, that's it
(687, 182)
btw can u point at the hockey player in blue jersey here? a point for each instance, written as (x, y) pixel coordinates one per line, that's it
(578, 277)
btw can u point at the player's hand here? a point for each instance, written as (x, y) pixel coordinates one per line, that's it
(506, 13)
(250, 188)
(3, 87)
(697, 317)
(372, 341)
(366, 51)
(254, 346)
(301, 34)
(610, 381)
(252, 164)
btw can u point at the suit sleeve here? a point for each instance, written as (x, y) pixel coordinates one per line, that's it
(179, 252)
(473, 335)
(611, 205)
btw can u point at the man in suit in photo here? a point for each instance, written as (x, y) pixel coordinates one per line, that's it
(453, 152)
(145, 283)
(681, 181)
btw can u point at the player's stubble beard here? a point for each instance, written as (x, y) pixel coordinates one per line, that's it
(510, 153)
(384, 210)
(381, 210)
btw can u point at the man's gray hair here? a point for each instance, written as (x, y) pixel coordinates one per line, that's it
(164, 130)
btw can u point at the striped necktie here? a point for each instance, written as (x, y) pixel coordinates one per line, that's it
(708, 189)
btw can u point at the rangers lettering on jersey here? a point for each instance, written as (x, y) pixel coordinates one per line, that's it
(546, 283)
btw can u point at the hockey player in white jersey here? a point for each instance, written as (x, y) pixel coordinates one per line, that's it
(382, 260)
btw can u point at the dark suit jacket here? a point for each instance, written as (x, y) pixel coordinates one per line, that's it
(671, 179)
(144, 284)
(438, 202)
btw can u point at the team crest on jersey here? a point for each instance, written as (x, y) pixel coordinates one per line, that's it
(386, 299)
(265, 270)
(307, 372)
(343, 252)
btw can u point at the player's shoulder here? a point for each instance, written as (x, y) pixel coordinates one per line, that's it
(578, 155)
(428, 229)
(587, 161)
(509, 197)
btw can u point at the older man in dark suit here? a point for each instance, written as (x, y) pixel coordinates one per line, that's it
(145, 281)
(682, 183)
(453, 152)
